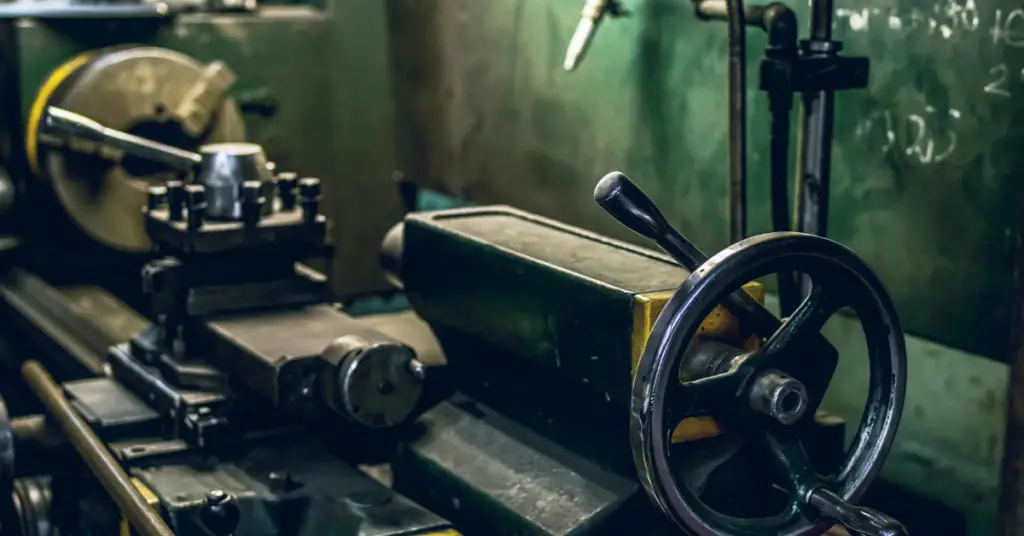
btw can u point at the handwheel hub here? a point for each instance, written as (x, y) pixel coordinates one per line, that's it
(779, 396)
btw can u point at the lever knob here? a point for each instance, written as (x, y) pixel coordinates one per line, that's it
(628, 204)
(856, 518)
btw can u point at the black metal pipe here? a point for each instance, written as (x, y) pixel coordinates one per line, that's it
(814, 170)
(94, 453)
(737, 18)
(779, 185)
(737, 122)
(779, 22)
(816, 159)
(821, 20)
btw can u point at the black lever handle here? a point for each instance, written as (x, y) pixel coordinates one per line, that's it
(77, 125)
(856, 518)
(627, 203)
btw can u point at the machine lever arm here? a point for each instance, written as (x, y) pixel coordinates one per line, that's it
(628, 204)
(59, 120)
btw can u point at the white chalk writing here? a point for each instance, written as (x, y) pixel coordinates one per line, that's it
(946, 18)
(927, 138)
(1002, 80)
(1008, 28)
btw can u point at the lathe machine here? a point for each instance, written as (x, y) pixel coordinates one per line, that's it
(590, 386)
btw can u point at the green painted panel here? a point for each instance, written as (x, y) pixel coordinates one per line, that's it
(923, 188)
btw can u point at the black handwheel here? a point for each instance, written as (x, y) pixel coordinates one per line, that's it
(769, 392)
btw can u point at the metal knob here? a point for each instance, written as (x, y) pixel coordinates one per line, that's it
(287, 182)
(252, 202)
(156, 196)
(176, 200)
(309, 198)
(196, 195)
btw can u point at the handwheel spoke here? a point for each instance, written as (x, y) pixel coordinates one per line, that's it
(702, 396)
(806, 321)
(788, 453)
(715, 391)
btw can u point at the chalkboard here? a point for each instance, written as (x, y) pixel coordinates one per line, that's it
(925, 160)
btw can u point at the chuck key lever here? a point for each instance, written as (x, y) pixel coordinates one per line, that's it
(68, 123)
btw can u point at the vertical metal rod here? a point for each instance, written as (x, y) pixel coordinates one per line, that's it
(789, 293)
(94, 453)
(737, 122)
(814, 172)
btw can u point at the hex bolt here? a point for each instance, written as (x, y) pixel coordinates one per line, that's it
(176, 200)
(156, 196)
(309, 198)
(196, 195)
(779, 396)
(286, 183)
(252, 203)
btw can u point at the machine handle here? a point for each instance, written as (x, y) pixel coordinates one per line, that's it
(628, 204)
(59, 120)
(856, 518)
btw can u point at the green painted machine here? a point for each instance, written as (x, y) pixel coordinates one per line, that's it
(581, 362)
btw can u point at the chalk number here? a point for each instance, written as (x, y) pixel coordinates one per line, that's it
(1001, 79)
